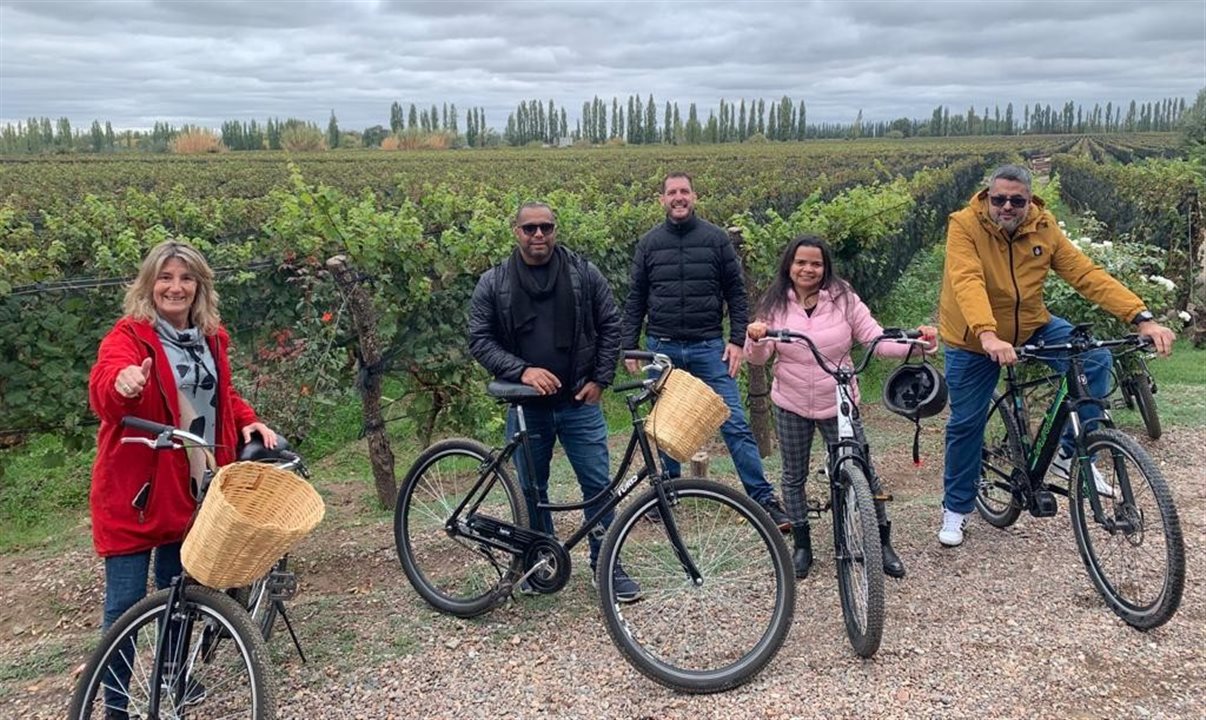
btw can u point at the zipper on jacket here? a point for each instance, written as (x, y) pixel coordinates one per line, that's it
(1017, 296)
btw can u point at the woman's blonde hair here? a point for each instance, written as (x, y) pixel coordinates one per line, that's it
(140, 302)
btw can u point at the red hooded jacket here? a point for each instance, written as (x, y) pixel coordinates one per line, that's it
(120, 471)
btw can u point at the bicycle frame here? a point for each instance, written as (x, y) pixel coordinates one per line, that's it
(621, 486)
(847, 449)
(1070, 395)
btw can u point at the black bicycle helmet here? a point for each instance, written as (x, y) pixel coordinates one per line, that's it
(915, 391)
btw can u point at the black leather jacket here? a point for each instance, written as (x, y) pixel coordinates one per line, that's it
(597, 325)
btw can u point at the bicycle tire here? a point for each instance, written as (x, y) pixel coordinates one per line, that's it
(741, 611)
(255, 599)
(1001, 455)
(455, 575)
(1145, 403)
(1099, 548)
(860, 560)
(225, 662)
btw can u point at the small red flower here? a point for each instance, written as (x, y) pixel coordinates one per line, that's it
(327, 317)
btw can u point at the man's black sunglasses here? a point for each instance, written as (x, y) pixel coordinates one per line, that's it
(531, 228)
(1015, 200)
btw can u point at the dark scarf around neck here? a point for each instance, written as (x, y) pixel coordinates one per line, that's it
(527, 290)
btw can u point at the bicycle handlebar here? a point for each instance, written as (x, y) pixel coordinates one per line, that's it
(656, 362)
(896, 335)
(1078, 347)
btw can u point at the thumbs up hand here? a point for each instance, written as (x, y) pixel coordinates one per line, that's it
(132, 379)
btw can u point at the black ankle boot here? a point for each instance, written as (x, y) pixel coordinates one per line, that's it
(801, 559)
(893, 567)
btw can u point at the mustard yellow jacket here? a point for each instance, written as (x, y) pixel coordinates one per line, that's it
(993, 282)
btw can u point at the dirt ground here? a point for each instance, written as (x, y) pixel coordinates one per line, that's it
(1006, 626)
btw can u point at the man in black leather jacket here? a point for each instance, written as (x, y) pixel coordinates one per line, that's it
(546, 318)
(684, 273)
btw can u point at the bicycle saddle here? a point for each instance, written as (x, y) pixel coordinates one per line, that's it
(256, 452)
(511, 392)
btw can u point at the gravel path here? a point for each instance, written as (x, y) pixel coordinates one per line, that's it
(1006, 626)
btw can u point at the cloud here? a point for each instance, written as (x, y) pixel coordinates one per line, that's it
(204, 62)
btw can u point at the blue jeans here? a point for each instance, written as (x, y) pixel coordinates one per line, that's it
(125, 585)
(705, 360)
(971, 378)
(583, 434)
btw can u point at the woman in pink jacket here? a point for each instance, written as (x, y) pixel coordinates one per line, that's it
(808, 297)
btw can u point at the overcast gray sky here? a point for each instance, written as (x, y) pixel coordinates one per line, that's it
(205, 62)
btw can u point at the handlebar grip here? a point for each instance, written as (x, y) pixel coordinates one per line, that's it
(139, 424)
(630, 385)
(638, 355)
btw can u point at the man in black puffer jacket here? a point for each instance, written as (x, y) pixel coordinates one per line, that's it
(546, 318)
(685, 271)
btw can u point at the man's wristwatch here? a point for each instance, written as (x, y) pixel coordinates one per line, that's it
(1143, 317)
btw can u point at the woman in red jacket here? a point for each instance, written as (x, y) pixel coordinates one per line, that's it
(165, 360)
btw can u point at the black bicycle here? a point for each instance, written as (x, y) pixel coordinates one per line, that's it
(1126, 525)
(186, 649)
(718, 592)
(856, 545)
(1137, 387)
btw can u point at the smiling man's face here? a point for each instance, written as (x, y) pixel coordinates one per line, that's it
(678, 199)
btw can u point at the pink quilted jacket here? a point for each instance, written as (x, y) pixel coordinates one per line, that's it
(800, 385)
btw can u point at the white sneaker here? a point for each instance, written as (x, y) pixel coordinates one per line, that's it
(1061, 464)
(953, 523)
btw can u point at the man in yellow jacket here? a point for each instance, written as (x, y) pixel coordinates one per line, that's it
(999, 250)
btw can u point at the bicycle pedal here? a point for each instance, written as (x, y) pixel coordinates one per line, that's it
(1043, 504)
(282, 585)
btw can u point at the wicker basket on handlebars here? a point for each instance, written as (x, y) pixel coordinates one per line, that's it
(686, 414)
(252, 515)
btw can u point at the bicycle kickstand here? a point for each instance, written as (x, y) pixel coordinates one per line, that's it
(280, 608)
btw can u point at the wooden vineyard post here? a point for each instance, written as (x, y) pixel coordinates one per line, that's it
(759, 395)
(699, 464)
(368, 383)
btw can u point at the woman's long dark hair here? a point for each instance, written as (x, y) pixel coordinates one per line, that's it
(774, 300)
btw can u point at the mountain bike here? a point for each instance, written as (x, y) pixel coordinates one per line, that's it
(856, 544)
(1137, 387)
(718, 592)
(186, 649)
(1129, 537)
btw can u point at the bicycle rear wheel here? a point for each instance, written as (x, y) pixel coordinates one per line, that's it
(860, 560)
(1000, 457)
(454, 573)
(704, 637)
(1136, 555)
(217, 663)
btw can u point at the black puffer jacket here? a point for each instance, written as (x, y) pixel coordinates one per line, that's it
(596, 319)
(683, 274)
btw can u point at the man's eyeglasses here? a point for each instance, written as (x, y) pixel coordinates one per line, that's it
(530, 229)
(1015, 200)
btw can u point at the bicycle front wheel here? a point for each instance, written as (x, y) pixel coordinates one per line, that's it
(455, 573)
(216, 662)
(860, 560)
(704, 636)
(1146, 404)
(1134, 552)
(999, 458)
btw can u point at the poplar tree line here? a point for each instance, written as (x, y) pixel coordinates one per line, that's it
(633, 121)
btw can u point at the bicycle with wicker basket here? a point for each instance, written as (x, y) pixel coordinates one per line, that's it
(191, 648)
(718, 592)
